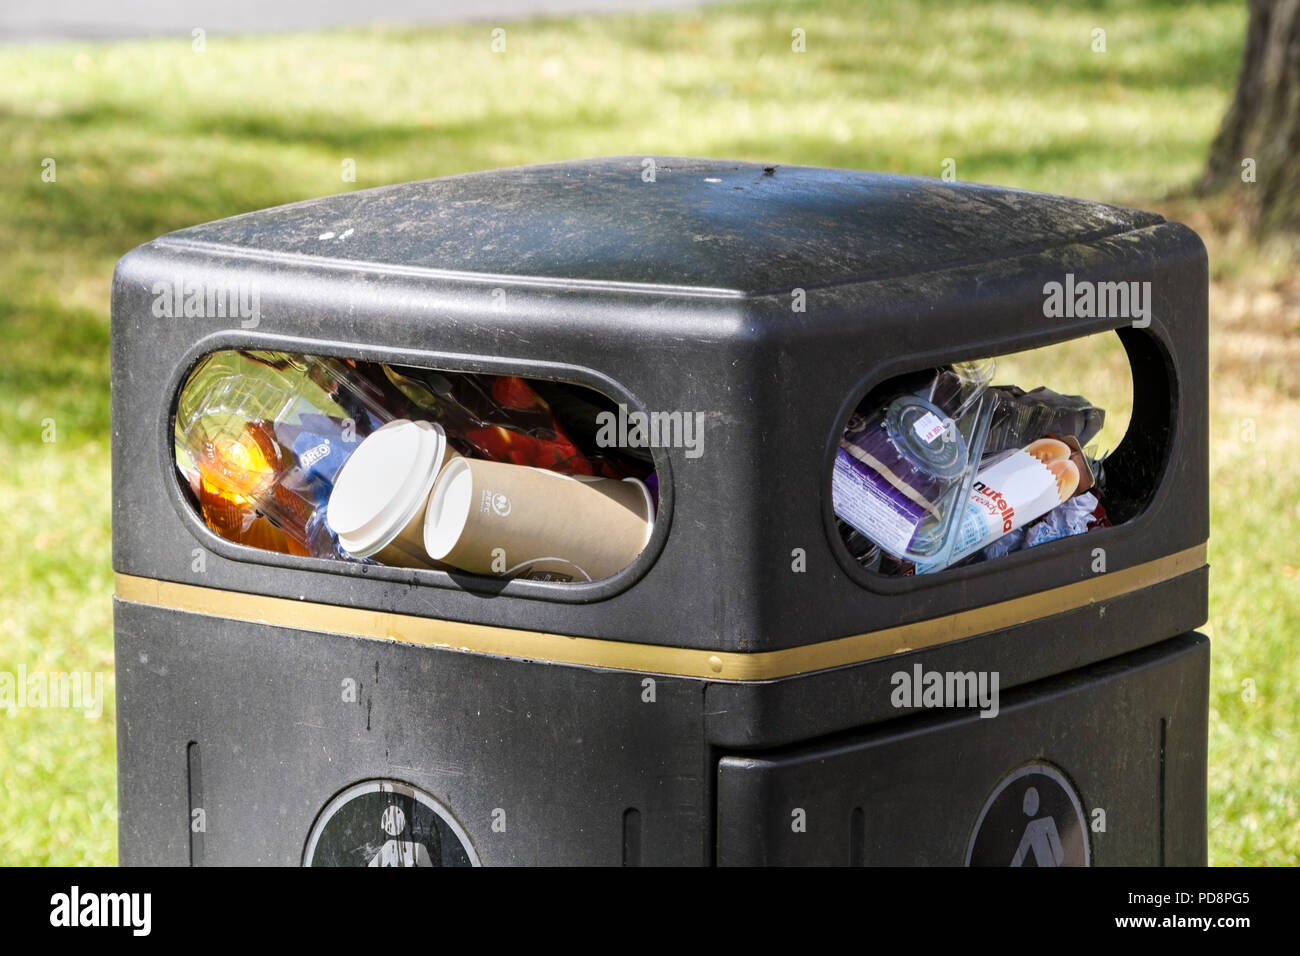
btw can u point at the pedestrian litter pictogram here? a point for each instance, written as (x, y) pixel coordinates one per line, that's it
(1033, 818)
(379, 823)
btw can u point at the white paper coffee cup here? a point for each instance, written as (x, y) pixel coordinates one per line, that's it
(505, 520)
(377, 505)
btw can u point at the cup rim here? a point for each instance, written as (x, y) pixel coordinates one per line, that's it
(384, 525)
(444, 519)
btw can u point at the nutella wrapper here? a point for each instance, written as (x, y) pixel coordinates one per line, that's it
(508, 520)
(1086, 477)
(1009, 492)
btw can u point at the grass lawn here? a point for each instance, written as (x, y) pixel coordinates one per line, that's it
(151, 136)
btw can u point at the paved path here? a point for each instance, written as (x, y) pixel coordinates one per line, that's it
(34, 20)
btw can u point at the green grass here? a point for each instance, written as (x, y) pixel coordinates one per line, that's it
(152, 136)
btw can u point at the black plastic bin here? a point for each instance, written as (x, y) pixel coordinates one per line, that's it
(727, 697)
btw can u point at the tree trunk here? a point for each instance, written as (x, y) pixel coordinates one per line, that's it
(1258, 147)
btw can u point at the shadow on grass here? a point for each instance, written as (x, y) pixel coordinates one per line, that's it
(216, 165)
(55, 370)
(57, 364)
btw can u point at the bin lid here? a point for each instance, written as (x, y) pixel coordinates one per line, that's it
(701, 225)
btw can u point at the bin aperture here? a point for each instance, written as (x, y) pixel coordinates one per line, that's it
(338, 459)
(951, 467)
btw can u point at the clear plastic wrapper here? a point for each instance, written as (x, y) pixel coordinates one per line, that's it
(904, 469)
(1011, 541)
(260, 437)
(865, 551)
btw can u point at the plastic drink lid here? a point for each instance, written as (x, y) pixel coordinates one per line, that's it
(449, 506)
(383, 484)
(925, 434)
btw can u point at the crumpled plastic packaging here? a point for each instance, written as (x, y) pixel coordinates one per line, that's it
(1027, 416)
(1066, 519)
(1011, 541)
(1072, 517)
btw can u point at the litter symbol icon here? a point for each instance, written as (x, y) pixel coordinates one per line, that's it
(379, 823)
(397, 852)
(1033, 818)
(1040, 836)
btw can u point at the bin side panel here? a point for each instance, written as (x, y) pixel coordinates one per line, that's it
(747, 715)
(855, 338)
(924, 787)
(537, 763)
(691, 357)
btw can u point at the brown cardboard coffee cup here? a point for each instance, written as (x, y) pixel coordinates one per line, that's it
(505, 520)
(377, 504)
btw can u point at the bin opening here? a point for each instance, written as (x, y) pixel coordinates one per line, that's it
(389, 464)
(954, 466)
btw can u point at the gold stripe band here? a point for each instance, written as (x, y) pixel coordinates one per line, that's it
(652, 658)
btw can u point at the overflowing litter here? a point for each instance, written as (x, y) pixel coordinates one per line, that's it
(942, 469)
(328, 458)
